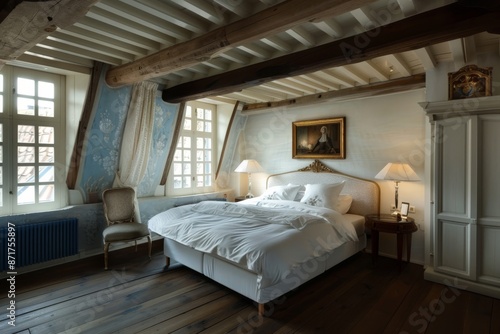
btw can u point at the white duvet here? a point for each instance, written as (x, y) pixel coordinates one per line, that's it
(267, 237)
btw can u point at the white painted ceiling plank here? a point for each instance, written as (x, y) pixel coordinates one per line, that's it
(301, 35)
(331, 28)
(170, 14)
(146, 19)
(204, 9)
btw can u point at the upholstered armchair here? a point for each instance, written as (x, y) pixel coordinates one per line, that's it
(120, 214)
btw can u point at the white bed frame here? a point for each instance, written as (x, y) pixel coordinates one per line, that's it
(366, 199)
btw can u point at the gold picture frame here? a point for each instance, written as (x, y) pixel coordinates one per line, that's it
(469, 81)
(319, 139)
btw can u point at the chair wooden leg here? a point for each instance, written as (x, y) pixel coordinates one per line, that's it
(106, 248)
(150, 246)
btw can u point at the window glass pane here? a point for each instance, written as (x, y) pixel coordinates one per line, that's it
(208, 155)
(25, 195)
(186, 142)
(199, 155)
(177, 182)
(199, 126)
(1, 132)
(208, 114)
(177, 168)
(25, 106)
(46, 135)
(186, 155)
(25, 87)
(1, 177)
(26, 134)
(46, 173)
(26, 174)
(46, 89)
(208, 181)
(208, 168)
(45, 108)
(199, 168)
(1, 154)
(188, 112)
(186, 182)
(199, 181)
(208, 127)
(208, 143)
(187, 124)
(46, 154)
(186, 169)
(199, 113)
(25, 154)
(1, 83)
(178, 155)
(199, 142)
(46, 193)
(1, 104)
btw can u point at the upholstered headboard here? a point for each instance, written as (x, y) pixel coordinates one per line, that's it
(365, 193)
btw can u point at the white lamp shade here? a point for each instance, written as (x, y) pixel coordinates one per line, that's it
(249, 166)
(397, 172)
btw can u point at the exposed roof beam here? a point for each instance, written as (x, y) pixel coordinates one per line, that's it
(400, 64)
(31, 22)
(203, 9)
(457, 52)
(407, 7)
(330, 27)
(387, 87)
(432, 27)
(470, 49)
(426, 57)
(270, 21)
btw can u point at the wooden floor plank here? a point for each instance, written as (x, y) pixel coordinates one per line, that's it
(140, 296)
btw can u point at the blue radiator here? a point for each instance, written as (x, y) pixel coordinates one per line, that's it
(40, 242)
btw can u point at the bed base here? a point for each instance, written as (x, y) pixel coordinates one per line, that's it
(248, 283)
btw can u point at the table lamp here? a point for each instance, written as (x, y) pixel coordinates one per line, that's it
(397, 172)
(249, 166)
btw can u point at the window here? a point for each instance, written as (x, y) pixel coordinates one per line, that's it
(32, 141)
(194, 162)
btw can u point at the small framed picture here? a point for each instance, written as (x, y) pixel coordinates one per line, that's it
(405, 207)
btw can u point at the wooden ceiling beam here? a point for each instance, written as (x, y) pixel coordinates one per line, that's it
(31, 22)
(270, 21)
(418, 31)
(380, 88)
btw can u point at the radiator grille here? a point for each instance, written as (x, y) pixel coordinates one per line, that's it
(41, 242)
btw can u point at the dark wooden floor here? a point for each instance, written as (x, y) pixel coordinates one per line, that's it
(139, 296)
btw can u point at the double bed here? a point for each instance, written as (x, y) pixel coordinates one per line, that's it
(306, 222)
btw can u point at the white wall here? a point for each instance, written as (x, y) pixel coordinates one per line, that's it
(378, 130)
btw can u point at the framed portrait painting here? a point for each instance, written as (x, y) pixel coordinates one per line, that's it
(319, 139)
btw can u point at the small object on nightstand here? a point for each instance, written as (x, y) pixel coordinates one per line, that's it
(391, 224)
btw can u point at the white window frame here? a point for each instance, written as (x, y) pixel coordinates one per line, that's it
(10, 121)
(193, 134)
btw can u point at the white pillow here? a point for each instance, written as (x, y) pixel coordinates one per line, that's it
(343, 204)
(300, 193)
(323, 195)
(287, 192)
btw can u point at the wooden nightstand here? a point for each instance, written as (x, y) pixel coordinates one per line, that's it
(239, 198)
(389, 224)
